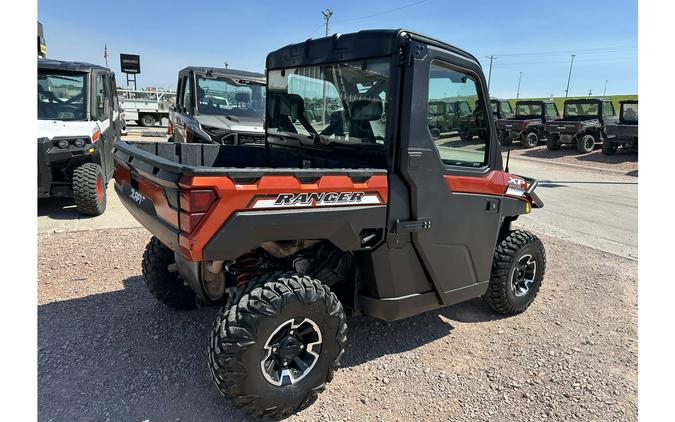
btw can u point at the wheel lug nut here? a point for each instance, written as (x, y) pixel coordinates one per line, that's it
(291, 332)
(274, 349)
(285, 363)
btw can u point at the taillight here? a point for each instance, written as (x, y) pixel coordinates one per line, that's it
(122, 174)
(194, 204)
(169, 129)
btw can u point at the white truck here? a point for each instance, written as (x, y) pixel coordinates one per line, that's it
(146, 108)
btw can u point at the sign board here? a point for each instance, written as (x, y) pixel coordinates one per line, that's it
(130, 63)
(42, 44)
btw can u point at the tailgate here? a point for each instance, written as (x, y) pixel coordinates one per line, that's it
(148, 187)
(564, 127)
(510, 124)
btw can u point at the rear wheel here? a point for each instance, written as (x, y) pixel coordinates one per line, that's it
(148, 120)
(531, 140)
(89, 189)
(162, 279)
(517, 272)
(504, 139)
(553, 142)
(435, 133)
(609, 148)
(586, 144)
(273, 350)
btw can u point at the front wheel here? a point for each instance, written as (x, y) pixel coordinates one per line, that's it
(518, 269)
(273, 350)
(586, 144)
(89, 189)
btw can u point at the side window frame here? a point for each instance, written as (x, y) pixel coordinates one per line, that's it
(487, 115)
(610, 108)
(555, 109)
(188, 105)
(105, 106)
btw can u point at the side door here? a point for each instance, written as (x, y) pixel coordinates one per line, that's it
(552, 112)
(608, 113)
(456, 184)
(103, 116)
(178, 114)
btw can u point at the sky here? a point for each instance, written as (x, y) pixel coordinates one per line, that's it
(536, 38)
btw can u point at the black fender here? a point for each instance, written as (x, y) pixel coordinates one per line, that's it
(343, 226)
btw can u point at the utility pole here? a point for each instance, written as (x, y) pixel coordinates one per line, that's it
(226, 64)
(604, 92)
(105, 54)
(326, 16)
(490, 72)
(519, 78)
(567, 91)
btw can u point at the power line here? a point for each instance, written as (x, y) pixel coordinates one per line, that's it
(405, 6)
(576, 51)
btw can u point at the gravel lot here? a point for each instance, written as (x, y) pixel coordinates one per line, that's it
(626, 161)
(108, 351)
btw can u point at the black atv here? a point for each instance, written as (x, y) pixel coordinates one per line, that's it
(623, 134)
(527, 126)
(583, 124)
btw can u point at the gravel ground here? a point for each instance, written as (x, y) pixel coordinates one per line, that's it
(108, 351)
(626, 161)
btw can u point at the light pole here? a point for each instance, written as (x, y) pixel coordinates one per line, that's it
(326, 16)
(490, 71)
(604, 91)
(567, 91)
(520, 76)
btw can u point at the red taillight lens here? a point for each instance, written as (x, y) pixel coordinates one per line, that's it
(169, 129)
(194, 201)
(122, 174)
(194, 205)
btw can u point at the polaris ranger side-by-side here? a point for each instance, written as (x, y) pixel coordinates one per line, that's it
(365, 213)
(78, 123)
(501, 109)
(583, 124)
(623, 133)
(527, 126)
(218, 106)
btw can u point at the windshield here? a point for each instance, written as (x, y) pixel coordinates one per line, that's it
(629, 112)
(505, 107)
(528, 110)
(342, 103)
(61, 95)
(581, 109)
(230, 97)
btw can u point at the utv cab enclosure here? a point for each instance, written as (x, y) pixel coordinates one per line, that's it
(583, 124)
(623, 133)
(218, 106)
(78, 123)
(501, 109)
(363, 212)
(527, 126)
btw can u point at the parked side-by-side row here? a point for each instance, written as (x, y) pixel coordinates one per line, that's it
(584, 123)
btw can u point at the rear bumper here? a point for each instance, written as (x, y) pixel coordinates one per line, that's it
(145, 214)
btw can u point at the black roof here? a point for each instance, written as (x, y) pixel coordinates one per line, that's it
(587, 100)
(628, 102)
(71, 66)
(232, 73)
(352, 46)
(535, 102)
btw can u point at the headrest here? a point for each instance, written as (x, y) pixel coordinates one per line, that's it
(366, 110)
(291, 105)
(242, 97)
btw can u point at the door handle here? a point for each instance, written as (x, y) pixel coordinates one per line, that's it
(492, 206)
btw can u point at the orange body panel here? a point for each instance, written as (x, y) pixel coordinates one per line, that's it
(495, 182)
(233, 197)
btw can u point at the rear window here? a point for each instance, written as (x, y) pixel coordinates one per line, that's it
(581, 109)
(629, 112)
(528, 110)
